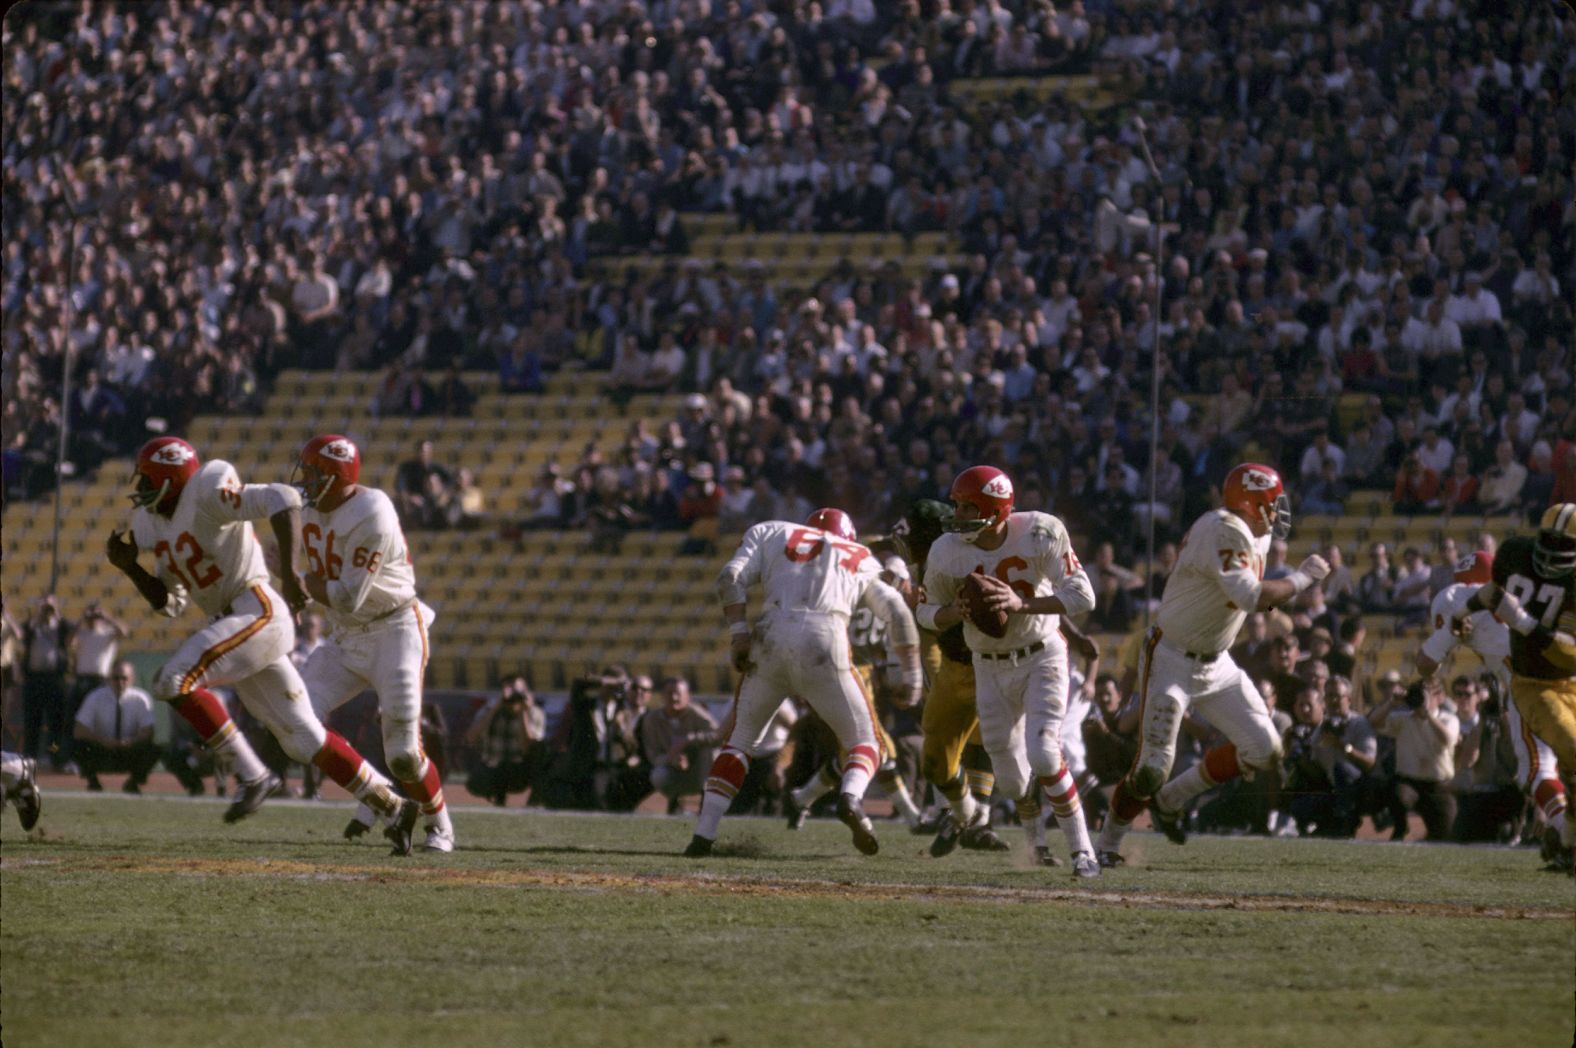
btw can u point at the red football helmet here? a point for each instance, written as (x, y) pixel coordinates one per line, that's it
(989, 491)
(834, 521)
(164, 465)
(325, 461)
(1255, 491)
(1475, 569)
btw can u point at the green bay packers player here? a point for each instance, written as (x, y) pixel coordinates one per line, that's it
(1534, 593)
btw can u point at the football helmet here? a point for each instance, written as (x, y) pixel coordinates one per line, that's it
(919, 527)
(989, 491)
(1475, 569)
(1554, 550)
(164, 465)
(834, 521)
(1255, 491)
(325, 461)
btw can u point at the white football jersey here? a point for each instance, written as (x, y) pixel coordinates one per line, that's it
(206, 550)
(361, 550)
(1490, 637)
(1214, 585)
(801, 568)
(1036, 559)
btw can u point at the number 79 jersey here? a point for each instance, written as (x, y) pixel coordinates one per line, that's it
(800, 568)
(1214, 585)
(1545, 599)
(206, 550)
(360, 551)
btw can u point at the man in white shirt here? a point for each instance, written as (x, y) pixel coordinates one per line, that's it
(1435, 336)
(1476, 306)
(114, 731)
(1425, 730)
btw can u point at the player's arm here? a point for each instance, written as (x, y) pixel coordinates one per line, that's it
(121, 550)
(281, 505)
(733, 582)
(1071, 591)
(902, 634)
(1437, 648)
(1082, 645)
(940, 609)
(370, 546)
(1246, 590)
(1491, 596)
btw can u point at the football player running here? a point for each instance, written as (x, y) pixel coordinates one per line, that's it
(1536, 770)
(197, 519)
(1187, 667)
(19, 785)
(1533, 591)
(359, 569)
(1020, 678)
(812, 576)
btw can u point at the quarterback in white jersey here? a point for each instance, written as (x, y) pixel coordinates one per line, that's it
(359, 570)
(1217, 581)
(1020, 678)
(812, 577)
(197, 521)
(1537, 771)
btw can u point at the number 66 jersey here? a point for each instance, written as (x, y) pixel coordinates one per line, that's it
(206, 551)
(359, 549)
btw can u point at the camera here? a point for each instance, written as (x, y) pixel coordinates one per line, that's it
(1415, 696)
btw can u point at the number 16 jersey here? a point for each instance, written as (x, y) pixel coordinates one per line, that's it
(206, 550)
(360, 550)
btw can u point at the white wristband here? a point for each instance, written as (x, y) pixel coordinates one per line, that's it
(1300, 580)
(914, 678)
(738, 629)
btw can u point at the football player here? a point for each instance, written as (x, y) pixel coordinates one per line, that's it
(197, 519)
(1020, 678)
(1533, 591)
(1536, 771)
(812, 576)
(19, 784)
(953, 758)
(868, 639)
(1187, 667)
(359, 569)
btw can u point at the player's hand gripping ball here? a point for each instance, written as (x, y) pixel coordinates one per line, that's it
(975, 595)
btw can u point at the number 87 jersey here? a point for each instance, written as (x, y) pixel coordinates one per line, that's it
(359, 550)
(206, 550)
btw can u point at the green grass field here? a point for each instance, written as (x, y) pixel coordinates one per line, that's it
(147, 921)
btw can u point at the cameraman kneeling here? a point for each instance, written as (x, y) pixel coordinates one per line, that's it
(1425, 730)
(1328, 758)
(507, 733)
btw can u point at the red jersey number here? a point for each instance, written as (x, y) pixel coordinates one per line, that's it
(805, 544)
(1021, 587)
(320, 555)
(196, 575)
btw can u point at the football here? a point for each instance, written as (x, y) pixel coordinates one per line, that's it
(991, 622)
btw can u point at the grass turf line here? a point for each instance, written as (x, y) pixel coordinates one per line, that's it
(131, 923)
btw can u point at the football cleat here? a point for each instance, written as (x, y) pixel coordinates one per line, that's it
(1044, 857)
(699, 847)
(29, 802)
(1085, 866)
(1168, 823)
(796, 815)
(356, 828)
(928, 824)
(980, 837)
(852, 814)
(438, 840)
(402, 827)
(947, 837)
(1110, 860)
(251, 795)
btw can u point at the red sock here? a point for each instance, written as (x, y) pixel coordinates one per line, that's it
(428, 790)
(340, 761)
(1220, 764)
(1549, 796)
(1062, 793)
(205, 713)
(1124, 806)
(727, 772)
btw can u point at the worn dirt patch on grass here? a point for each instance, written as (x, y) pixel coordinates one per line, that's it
(794, 888)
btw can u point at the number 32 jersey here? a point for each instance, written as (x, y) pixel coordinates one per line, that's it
(206, 550)
(1543, 598)
(360, 550)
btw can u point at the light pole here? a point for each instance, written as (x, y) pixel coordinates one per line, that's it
(1154, 371)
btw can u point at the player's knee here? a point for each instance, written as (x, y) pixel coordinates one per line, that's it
(1011, 782)
(167, 683)
(1260, 754)
(303, 741)
(1147, 779)
(405, 765)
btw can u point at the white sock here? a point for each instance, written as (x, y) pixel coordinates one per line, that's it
(1062, 795)
(1175, 795)
(856, 779)
(238, 754)
(820, 784)
(897, 793)
(713, 806)
(441, 822)
(966, 813)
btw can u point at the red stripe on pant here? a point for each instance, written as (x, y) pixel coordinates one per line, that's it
(867, 756)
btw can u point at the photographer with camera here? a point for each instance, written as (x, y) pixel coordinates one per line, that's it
(93, 647)
(1490, 801)
(681, 740)
(1426, 730)
(1347, 749)
(506, 734)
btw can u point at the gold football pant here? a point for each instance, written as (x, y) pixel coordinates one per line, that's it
(950, 718)
(867, 679)
(1548, 707)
